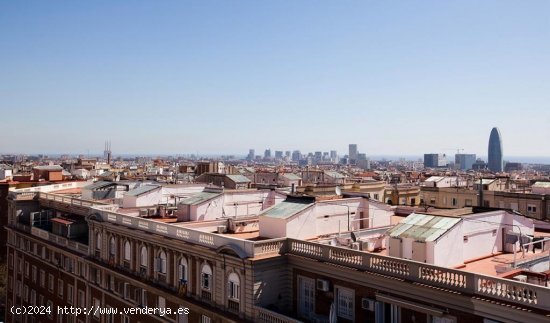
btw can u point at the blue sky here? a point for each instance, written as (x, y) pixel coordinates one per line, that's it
(395, 77)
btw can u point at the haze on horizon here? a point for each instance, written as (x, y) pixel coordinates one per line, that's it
(222, 77)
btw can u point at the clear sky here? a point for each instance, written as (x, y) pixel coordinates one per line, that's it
(395, 77)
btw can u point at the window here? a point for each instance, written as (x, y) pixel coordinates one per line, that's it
(98, 241)
(26, 293)
(182, 270)
(112, 247)
(110, 315)
(141, 297)
(127, 251)
(69, 293)
(96, 303)
(27, 269)
(531, 208)
(233, 291)
(125, 319)
(468, 202)
(33, 273)
(33, 297)
(375, 196)
(344, 305)
(42, 278)
(60, 288)
(50, 309)
(161, 302)
(81, 298)
(386, 313)
(205, 319)
(161, 262)
(206, 276)
(432, 200)
(439, 319)
(454, 202)
(143, 257)
(50, 282)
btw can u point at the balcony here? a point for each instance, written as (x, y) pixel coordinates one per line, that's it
(206, 295)
(233, 306)
(266, 316)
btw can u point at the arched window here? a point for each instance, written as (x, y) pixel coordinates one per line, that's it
(127, 251)
(182, 269)
(161, 262)
(112, 246)
(98, 241)
(233, 291)
(143, 256)
(206, 277)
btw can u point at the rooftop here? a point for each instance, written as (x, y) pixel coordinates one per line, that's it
(285, 209)
(423, 227)
(199, 198)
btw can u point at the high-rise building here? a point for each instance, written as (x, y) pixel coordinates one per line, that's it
(267, 154)
(333, 155)
(278, 154)
(495, 151)
(435, 160)
(251, 153)
(465, 161)
(352, 153)
(296, 155)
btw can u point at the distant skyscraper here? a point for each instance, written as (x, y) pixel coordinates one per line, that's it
(465, 161)
(251, 153)
(352, 153)
(278, 154)
(296, 155)
(495, 151)
(435, 160)
(267, 153)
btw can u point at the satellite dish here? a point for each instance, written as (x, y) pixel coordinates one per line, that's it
(338, 191)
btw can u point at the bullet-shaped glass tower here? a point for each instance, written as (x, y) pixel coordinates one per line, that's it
(495, 151)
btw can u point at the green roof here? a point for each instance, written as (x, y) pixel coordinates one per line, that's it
(238, 178)
(199, 198)
(142, 190)
(423, 227)
(285, 210)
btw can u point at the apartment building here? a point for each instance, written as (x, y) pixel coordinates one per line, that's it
(221, 274)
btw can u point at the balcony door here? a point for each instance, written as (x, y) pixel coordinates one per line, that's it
(306, 297)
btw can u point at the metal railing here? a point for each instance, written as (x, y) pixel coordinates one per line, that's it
(266, 316)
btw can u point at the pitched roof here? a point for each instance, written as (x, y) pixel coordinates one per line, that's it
(238, 178)
(199, 198)
(142, 190)
(49, 167)
(285, 209)
(97, 185)
(292, 176)
(334, 174)
(423, 227)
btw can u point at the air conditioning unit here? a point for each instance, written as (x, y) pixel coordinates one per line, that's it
(221, 228)
(356, 246)
(367, 304)
(322, 285)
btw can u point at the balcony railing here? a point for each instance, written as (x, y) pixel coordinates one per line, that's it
(61, 241)
(457, 280)
(266, 316)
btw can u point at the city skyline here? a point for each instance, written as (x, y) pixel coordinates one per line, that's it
(220, 78)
